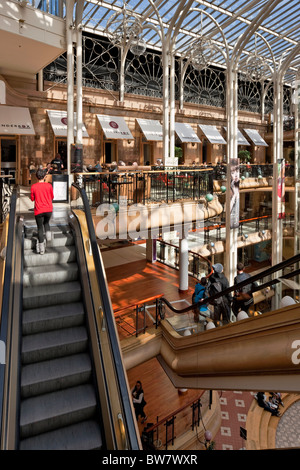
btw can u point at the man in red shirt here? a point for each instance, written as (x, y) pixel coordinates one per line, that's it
(42, 195)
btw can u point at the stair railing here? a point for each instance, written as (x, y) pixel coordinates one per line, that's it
(257, 277)
(10, 331)
(127, 420)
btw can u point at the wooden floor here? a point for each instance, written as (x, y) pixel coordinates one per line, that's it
(129, 284)
(133, 282)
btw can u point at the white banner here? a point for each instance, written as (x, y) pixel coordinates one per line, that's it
(186, 133)
(234, 193)
(59, 123)
(151, 129)
(256, 138)
(15, 120)
(114, 127)
(212, 134)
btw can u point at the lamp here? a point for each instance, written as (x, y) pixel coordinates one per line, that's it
(125, 27)
(256, 68)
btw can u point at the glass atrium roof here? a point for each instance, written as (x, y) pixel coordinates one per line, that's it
(218, 21)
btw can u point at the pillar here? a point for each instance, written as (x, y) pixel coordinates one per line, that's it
(183, 265)
(151, 250)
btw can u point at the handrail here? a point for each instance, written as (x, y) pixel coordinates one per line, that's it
(140, 302)
(116, 355)
(190, 251)
(174, 413)
(256, 277)
(7, 286)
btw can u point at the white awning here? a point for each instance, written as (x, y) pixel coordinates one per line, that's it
(151, 129)
(186, 133)
(59, 121)
(241, 139)
(256, 138)
(212, 134)
(114, 127)
(15, 120)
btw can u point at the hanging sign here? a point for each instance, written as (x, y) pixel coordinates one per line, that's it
(281, 189)
(234, 193)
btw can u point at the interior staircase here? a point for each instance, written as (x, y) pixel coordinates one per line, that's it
(58, 402)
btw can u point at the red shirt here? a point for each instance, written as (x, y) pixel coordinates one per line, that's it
(42, 194)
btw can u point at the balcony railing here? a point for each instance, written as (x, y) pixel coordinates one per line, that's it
(146, 187)
(134, 319)
(54, 7)
(163, 434)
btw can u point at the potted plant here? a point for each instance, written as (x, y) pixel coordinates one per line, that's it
(179, 154)
(244, 156)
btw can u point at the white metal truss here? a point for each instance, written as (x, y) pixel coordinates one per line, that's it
(279, 26)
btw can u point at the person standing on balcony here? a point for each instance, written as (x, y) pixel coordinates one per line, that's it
(139, 401)
(218, 282)
(243, 299)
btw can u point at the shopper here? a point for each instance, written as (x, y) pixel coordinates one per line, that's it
(139, 401)
(58, 161)
(222, 305)
(199, 294)
(42, 195)
(267, 405)
(243, 298)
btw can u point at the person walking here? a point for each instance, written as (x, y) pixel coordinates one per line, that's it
(222, 305)
(42, 195)
(243, 298)
(58, 161)
(139, 401)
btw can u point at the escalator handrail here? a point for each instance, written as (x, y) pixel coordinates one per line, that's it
(7, 286)
(99, 270)
(256, 277)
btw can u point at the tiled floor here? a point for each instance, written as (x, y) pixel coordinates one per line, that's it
(288, 429)
(234, 409)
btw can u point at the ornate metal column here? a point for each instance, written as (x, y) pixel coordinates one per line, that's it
(70, 79)
(232, 206)
(79, 113)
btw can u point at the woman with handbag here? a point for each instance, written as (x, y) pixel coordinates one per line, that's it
(139, 401)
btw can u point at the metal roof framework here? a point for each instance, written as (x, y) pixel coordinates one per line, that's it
(265, 28)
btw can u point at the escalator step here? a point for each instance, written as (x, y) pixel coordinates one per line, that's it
(54, 344)
(57, 374)
(52, 255)
(56, 294)
(52, 318)
(54, 274)
(82, 436)
(58, 239)
(56, 410)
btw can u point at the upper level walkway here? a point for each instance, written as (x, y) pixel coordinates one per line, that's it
(33, 38)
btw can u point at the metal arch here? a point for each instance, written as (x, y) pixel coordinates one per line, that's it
(254, 25)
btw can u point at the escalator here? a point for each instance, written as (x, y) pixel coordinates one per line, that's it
(59, 406)
(63, 386)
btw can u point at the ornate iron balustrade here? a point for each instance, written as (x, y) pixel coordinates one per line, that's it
(146, 187)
